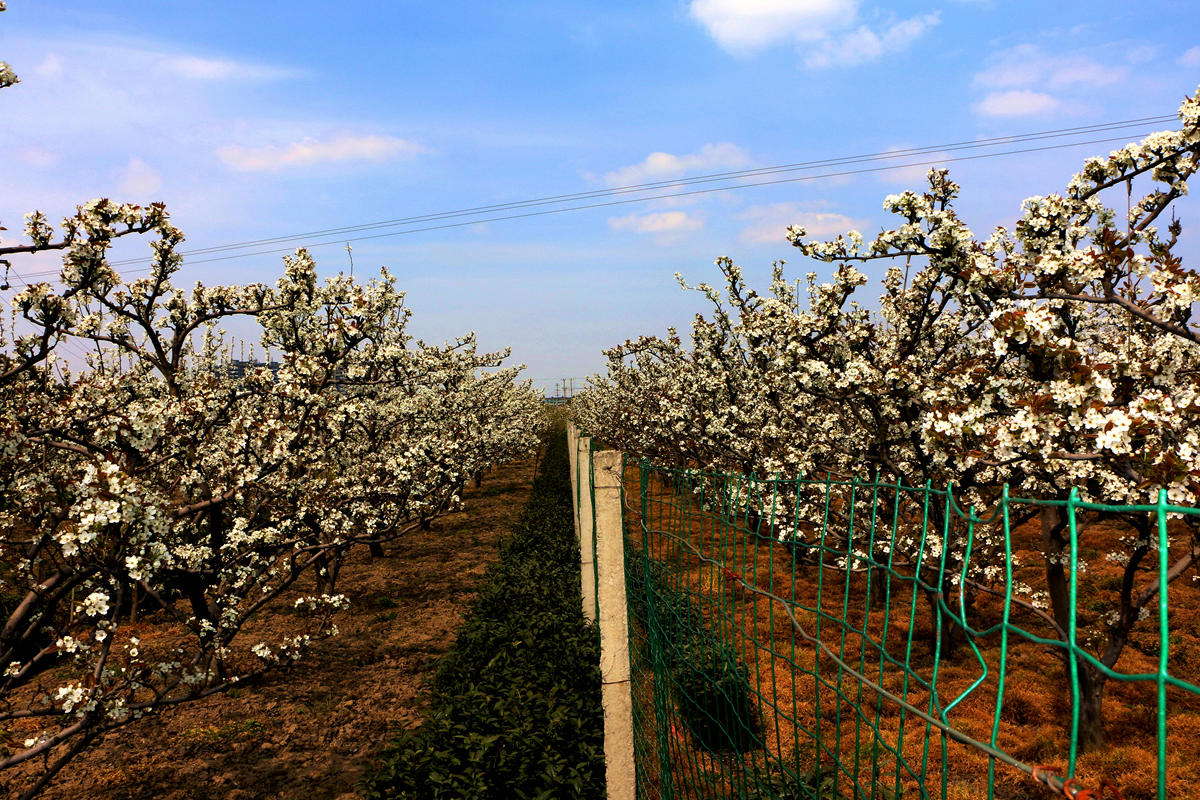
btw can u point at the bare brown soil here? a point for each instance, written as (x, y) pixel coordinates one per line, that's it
(311, 732)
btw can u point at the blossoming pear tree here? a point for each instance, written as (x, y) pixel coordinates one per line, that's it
(154, 479)
(154, 499)
(1060, 356)
(1090, 311)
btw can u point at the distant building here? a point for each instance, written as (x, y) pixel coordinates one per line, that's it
(237, 368)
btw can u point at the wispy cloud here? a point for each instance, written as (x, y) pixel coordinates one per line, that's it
(108, 84)
(1025, 80)
(863, 45)
(1141, 53)
(138, 180)
(768, 223)
(830, 31)
(665, 166)
(50, 67)
(1190, 58)
(223, 69)
(39, 157)
(68, 58)
(373, 148)
(139, 119)
(1027, 65)
(1015, 103)
(665, 222)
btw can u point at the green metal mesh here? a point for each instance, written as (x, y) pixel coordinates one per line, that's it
(784, 644)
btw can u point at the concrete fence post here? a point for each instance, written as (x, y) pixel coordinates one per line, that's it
(614, 629)
(587, 567)
(573, 458)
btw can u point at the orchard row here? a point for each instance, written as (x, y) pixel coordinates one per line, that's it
(157, 497)
(1060, 355)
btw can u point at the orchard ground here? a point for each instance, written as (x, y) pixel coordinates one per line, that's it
(313, 730)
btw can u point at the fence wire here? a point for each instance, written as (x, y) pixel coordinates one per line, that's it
(861, 640)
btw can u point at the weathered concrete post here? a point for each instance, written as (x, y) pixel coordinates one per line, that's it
(587, 567)
(614, 629)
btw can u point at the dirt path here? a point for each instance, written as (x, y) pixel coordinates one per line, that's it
(310, 733)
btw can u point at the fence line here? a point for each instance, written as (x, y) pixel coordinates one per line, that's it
(778, 634)
(579, 450)
(596, 480)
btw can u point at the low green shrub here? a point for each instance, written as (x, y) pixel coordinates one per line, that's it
(806, 779)
(714, 696)
(676, 617)
(710, 685)
(816, 783)
(516, 704)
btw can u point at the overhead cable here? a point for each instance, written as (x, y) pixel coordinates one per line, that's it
(735, 179)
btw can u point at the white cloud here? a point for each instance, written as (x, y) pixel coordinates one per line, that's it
(1027, 66)
(744, 26)
(1027, 80)
(220, 69)
(138, 180)
(863, 45)
(374, 148)
(50, 67)
(665, 222)
(821, 29)
(1015, 103)
(1140, 54)
(768, 223)
(114, 87)
(1191, 58)
(665, 166)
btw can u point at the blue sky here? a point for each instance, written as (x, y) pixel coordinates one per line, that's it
(261, 119)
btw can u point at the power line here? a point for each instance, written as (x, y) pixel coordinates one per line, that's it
(618, 191)
(68, 346)
(698, 179)
(711, 190)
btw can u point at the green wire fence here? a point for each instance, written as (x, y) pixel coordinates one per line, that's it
(861, 639)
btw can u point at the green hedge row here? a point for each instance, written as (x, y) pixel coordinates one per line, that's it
(710, 683)
(516, 704)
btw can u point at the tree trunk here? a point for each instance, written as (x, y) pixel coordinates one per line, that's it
(327, 573)
(879, 587)
(203, 608)
(1091, 683)
(1091, 706)
(942, 628)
